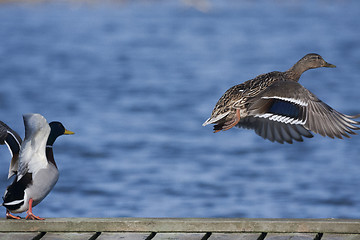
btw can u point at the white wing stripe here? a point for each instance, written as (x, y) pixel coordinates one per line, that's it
(14, 137)
(292, 100)
(9, 145)
(14, 202)
(9, 148)
(280, 118)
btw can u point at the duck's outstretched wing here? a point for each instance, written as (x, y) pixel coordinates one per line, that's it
(13, 142)
(275, 131)
(32, 154)
(285, 108)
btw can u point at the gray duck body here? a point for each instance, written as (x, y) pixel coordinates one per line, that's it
(32, 164)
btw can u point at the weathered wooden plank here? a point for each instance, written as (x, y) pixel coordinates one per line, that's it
(328, 236)
(121, 235)
(234, 236)
(179, 236)
(228, 225)
(290, 236)
(67, 236)
(18, 235)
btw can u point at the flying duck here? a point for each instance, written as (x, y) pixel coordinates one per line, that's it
(279, 109)
(32, 164)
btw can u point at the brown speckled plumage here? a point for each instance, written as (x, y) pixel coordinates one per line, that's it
(280, 109)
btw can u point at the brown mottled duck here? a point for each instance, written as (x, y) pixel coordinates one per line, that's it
(279, 109)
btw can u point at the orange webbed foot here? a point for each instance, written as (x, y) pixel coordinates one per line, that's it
(10, 216)
(31, 216)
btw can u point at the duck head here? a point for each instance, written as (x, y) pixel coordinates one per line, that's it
(313, 60)
(57, 129)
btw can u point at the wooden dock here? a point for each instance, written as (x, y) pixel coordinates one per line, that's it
(180, 228)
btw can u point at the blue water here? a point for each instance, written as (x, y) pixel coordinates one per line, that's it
(135, 81)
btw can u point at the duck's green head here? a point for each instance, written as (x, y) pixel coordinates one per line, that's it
(57, 129)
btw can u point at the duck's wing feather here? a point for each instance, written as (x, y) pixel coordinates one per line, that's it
(13, 142)
(275, 131)
(290, 104)
(14, 194)
(32, 154)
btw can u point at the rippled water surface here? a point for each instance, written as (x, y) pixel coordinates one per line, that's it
(135, 81)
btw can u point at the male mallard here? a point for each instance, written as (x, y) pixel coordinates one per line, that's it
(32, 162)
(278, 108)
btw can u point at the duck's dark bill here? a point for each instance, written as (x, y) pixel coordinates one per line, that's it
(329, 65)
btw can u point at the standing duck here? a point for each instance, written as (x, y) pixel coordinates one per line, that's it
(279, 109)
(32, 164)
